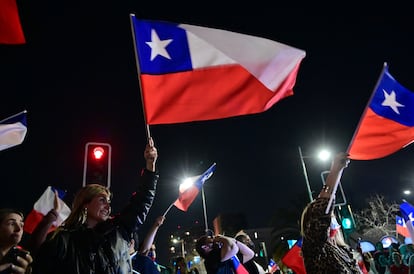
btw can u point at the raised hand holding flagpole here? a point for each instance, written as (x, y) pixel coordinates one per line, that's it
(340, 162)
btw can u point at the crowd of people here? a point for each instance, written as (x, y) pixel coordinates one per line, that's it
(94, 240)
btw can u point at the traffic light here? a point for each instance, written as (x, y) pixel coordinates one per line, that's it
(347, 219)
(97, 164)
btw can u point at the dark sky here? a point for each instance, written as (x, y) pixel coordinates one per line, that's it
(76, 76)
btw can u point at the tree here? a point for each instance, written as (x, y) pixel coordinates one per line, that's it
(378, 219)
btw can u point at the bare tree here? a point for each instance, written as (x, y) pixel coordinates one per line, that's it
(378, 219)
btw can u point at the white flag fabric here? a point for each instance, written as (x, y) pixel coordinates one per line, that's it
(13, 130)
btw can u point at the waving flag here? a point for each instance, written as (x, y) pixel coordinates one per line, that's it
(13, 130)
(192, 73)
(401, 227)
(10, 28)
(293, 258)
(407, 212)
(189, 190)
(238, 267)
(272, 267)
(387, 124)
(43, 206)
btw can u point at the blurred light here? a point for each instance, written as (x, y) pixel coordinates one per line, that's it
(324, 155)
(186, 184)
(98, 152)
(407, 192)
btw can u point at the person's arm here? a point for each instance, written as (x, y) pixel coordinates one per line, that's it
(246, 251)
(134, 214)
(149, 238)
(228, 245)
(340, 162)
(39, 234)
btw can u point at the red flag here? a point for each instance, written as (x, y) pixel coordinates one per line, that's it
(189, 190)
(387, 124)
(10, 29)
(191, 73)
(294, 260)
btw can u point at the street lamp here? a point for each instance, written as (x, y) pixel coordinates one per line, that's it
(323, 155)
(176, 241)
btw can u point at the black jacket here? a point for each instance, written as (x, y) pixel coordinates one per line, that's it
(103, 249)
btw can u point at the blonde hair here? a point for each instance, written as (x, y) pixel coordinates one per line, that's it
(83, 197)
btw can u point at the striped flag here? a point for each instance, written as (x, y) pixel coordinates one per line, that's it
(238, 267)
(42, 206)
(387, 124)
(13, 130)
(187, 71)
(10, 28)
(189, 190)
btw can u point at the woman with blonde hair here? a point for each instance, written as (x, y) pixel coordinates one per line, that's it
(91, 240)
(323, 247)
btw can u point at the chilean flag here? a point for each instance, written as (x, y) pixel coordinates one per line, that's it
(293, 258)
(189, 190)
(192, 73)
(43, 206)
(10, 28)
(387, 124)
(407, 212)
(13, 130)
(238, 267)
(401, 227)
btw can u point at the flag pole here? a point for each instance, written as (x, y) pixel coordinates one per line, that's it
(203, 197)
(132, 18)
(366, 107)
(168, 209)
(15, 115)
(331, 198)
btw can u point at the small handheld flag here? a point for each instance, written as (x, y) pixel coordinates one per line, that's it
(42, 206)
(13, 130)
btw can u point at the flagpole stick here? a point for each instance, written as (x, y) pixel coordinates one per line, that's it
(15, 115)
(168, 209)
(132, 17)
(366, 108)
(331, 198)
(204, 209)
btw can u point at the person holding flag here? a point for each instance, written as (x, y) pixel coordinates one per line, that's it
(323, 247)
(220, 254)
(91, 240)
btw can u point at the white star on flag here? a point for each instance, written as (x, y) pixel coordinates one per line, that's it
(158, 46)
(391, 101)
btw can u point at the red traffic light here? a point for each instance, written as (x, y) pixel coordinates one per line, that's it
(97, 164)
(98, 152)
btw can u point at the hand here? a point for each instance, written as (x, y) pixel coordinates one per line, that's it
(159, 221)
(150, 154)
(56, 204)
(340, 161)
(20, 266)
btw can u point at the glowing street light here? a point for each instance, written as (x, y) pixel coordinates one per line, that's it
(176, 241)
(323, 155)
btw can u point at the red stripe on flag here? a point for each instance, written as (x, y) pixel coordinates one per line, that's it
(10, 28)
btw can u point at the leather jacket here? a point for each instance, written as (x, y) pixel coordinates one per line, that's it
(102, 249)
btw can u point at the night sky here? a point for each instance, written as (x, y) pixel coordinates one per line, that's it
(76, 76)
